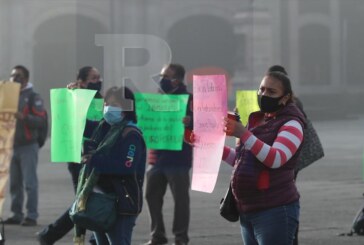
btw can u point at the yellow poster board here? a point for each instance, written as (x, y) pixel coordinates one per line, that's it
(246, 103)
(9, 99)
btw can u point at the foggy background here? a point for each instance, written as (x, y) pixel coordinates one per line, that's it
(318, 41)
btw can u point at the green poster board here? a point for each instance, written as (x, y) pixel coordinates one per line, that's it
(160, 118)
(69, 109)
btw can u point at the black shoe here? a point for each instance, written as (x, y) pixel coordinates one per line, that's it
(41, 239)
(12, 221)
(152, 242)
(179, 243)
(29, 222)
(92, 242)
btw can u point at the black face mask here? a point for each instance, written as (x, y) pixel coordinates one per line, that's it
(95, 86)
(166, 85)
(269, 104)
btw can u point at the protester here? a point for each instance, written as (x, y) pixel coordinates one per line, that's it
(312, 140)
(23, 167)
(118, 155)
(170, 168)
(88, 77)
(264, 161)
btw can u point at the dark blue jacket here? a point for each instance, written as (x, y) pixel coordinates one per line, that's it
(122, 169)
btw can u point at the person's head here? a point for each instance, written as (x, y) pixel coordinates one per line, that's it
(20, 74)
(89, 77)
(277, 68)
(119, 104)
(275, 91)
(172, 75)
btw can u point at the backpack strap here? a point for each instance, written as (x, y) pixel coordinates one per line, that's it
(130, 127)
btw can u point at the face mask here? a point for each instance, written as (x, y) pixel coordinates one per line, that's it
(112, 114)
(269, 104)
(166, 85)
(95, 86)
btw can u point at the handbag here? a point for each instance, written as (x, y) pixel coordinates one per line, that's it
(311, 148)
(228, 208)
(99, 213)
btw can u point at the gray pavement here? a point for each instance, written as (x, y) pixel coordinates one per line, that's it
(331, 193)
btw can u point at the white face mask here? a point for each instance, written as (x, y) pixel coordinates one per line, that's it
(112, 114)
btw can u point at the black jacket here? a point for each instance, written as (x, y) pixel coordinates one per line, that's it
(34, 114)
(175, 159)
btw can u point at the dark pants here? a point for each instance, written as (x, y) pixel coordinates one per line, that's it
(61, 226)
(23, 173)
(58, 229)
(295, 241)
(178, 180)
(74, 169)
(120, 234)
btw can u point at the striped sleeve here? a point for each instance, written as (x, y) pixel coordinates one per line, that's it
(289, 138)
(229, 155)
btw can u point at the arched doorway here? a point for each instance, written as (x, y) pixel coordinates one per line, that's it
(63, 45)
(203, 41)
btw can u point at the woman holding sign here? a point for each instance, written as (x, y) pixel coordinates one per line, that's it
(116, 152)
(264, 161)
(88, 77)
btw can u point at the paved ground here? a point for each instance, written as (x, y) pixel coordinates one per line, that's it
(331, 191)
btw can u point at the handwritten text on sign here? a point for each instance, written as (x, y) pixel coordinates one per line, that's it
(209, 106)
(160, 118)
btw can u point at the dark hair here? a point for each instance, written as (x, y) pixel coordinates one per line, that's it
(285, 81)
(278, 68)
(83, 73)
(23, 69)
(123, 94)
(179, 71)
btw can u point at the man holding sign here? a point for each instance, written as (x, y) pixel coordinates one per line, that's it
(23, 168)
(170, 168)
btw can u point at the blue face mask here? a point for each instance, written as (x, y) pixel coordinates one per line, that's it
(112, 114)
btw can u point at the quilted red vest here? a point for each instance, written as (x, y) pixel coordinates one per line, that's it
(255, 186)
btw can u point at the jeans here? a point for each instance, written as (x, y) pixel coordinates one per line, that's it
(275, 226)
(23, 173)
(120, 234)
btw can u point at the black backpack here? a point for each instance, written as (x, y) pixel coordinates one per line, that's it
(358, 224)
(43, 129)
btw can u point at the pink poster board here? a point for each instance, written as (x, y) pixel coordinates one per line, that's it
(209, 107)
